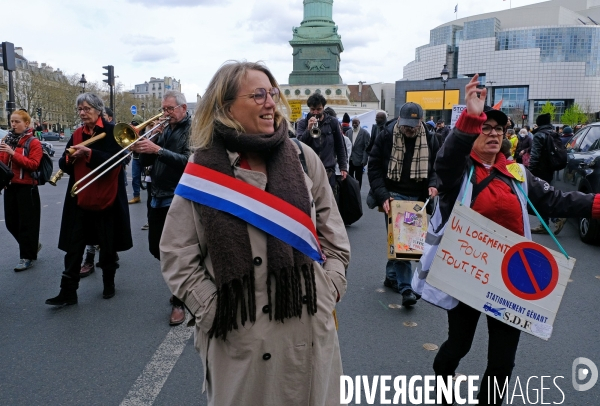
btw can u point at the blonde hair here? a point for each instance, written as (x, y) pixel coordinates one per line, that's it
(220, 95)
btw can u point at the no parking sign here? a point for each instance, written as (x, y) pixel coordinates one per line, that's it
(500, 273)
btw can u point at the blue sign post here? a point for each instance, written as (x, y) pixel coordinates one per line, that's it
(133, 110)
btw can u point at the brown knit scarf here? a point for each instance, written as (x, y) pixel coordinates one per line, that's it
(229, 243)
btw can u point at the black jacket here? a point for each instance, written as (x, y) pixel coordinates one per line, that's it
(539, 163)
(109, 227)
(375, 130)
(379, 160)
(359, 154)
(442, 133)
(168, 168)
(524, 144)
(329, 146)
(454, 160)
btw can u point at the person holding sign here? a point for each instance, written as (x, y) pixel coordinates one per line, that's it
(401, 168)
(255, 247)
(470, 164)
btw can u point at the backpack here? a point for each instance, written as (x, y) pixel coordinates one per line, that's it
(557, 153)
(44, 171)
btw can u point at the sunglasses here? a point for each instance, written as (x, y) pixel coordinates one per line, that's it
(260, 95)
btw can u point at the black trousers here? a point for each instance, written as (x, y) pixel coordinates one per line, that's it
(22, 214)
(156, 224)
(356, 171)
(85, 225)
(502, 347)
(149, 200)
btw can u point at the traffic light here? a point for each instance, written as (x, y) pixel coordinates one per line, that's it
(524, 117)
(111, 75)
(39, 111)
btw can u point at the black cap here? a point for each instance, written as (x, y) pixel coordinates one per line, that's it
(497, 115)
(410, 114)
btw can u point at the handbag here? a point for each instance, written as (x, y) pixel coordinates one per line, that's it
(525, 158)
(350, 201)
(6, 174)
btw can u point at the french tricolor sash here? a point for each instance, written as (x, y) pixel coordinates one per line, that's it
(263, 210)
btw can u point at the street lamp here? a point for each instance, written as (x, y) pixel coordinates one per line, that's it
(445, 74)
(360, 83)
(491, 83)
(82, 82)
(143, 111)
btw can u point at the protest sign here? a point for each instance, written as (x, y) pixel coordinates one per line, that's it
(457, 109)
(500, 273)
(406, 230)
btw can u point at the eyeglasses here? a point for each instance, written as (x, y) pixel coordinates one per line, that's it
(487, 129)
(84, 109)
(170, 109)
(260, 95)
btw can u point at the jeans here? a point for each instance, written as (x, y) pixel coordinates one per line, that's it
(396, 269)
(136, 177)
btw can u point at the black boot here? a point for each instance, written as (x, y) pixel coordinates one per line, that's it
(108, 278)
(65, 297)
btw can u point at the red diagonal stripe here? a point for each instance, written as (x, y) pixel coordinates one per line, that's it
(529, 272)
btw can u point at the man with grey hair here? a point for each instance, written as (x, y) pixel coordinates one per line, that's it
(99, 214)
(168, 154)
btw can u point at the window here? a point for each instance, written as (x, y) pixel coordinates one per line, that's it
(591, 141)
(574, 142)
(514, 101)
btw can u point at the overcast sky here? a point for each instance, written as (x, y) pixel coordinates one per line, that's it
(190, 39)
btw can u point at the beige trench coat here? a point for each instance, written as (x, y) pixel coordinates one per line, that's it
(267, 362)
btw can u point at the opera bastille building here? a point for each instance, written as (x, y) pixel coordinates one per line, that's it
(526, 56)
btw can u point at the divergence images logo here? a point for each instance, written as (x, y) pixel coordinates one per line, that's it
(580, 374)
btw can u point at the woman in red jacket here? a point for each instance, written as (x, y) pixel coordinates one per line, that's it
(21, 197)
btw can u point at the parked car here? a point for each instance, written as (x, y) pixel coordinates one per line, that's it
(583, 174)
(50, 136)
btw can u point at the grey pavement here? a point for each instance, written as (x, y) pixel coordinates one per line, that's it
(100, 352)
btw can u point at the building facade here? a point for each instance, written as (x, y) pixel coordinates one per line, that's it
(38, 85)
(525, 56)
(156, 87)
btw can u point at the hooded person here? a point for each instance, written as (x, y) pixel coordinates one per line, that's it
(566, 135)
(345, 123)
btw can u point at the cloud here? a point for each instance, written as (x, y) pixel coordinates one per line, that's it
(145, 40)
(154, 54)
(179, 3)
(269, 27)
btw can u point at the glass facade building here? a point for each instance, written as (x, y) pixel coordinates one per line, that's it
(526, 56)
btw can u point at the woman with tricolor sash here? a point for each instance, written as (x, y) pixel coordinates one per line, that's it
(255, 247)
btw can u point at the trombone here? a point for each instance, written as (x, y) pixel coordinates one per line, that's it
(126, 135)
(58, 175)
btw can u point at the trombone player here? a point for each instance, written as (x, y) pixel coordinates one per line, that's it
(168, 155)
(99, 215)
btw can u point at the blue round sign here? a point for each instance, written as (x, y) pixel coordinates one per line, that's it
(529, 271)
(133, 110)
